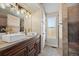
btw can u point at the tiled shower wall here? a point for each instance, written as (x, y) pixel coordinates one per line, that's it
(73, 30)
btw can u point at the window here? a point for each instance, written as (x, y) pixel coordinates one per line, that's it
(51, 21)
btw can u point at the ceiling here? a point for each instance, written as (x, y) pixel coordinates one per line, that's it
(71, 4)
(54, 7)
(32, 7)
(51, 7)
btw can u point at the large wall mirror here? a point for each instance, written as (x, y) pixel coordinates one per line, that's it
(10, 23)
(13, 24)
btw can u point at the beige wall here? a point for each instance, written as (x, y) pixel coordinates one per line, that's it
(36, 21)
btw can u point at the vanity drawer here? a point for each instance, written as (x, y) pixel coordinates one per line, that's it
(30, 44)
(32, 52)
(21, 52)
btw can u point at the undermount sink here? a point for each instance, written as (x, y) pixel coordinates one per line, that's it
(12, 37)
(17, 36)
(31, 34)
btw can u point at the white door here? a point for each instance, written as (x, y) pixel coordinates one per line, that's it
(52, 31)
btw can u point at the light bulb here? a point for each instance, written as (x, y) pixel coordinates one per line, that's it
(26, 16)
(29, 15)
(22, 11)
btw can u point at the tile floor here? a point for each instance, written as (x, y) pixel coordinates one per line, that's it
(50, 51)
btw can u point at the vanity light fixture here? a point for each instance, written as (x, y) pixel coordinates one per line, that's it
(21, 10)
(29, 14)
(12, 9)
(16, 8)
(13, 4)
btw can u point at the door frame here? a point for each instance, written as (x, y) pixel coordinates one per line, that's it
(54, 14)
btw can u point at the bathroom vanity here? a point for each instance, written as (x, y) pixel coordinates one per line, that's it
(25, 47)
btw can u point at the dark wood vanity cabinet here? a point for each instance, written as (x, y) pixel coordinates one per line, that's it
(17, 49)
(37, 47)
(30, 47)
